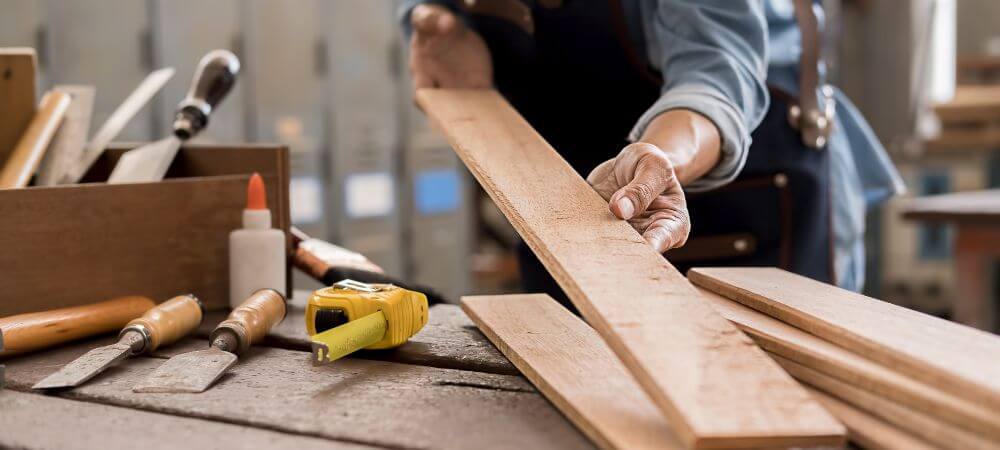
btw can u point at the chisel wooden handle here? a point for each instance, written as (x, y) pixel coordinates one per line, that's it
(168, 322)
(28, 153)
(251, 321)
(33, 331)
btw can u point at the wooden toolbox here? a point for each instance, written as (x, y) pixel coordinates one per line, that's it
(75, 244)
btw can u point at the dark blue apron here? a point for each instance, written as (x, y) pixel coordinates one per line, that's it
(578, 81)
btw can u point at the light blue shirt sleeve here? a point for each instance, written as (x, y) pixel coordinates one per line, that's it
(713, 58)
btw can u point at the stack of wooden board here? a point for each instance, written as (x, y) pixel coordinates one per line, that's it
(892, 375)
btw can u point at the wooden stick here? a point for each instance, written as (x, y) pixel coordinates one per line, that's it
(68, 143)
(868, 431)
(815, 353)
(954, 358)
(17, 95)
(926, 427)
(28, 153)
(569, 363)
(704, 374)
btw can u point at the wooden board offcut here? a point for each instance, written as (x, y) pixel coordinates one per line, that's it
(714, 385)
(17, 96)
(567, 360)
(792, 343)
(870, 432)
(951, 357)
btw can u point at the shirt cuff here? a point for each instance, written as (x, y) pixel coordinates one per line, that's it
(727, 119)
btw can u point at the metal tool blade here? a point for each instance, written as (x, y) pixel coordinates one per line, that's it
(145, 164)
(191, 372)
(85, 367)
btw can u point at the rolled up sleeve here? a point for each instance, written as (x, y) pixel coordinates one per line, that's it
(712, 55)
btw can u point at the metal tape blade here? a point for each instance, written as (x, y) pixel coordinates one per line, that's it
(191, 372)
(85, 367)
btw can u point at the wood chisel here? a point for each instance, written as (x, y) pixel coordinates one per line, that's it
(213, 79)
(68, 144)
(34, 331)
(351, 315)
(328, 263)
(116, 123)
(28, 153)
(195, 372)
(163, 325)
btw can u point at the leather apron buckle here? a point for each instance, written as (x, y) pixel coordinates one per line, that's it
(814, 124)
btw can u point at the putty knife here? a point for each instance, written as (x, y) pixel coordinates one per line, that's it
(213, 79)
(162, 325)
(195, 372)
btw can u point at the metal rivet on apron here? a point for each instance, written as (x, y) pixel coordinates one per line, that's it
(740, 245)
(781, 180)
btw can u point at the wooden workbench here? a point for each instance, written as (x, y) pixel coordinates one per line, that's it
(447, 388)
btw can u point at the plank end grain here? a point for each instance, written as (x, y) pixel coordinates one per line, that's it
(951, 357)
(711, 382)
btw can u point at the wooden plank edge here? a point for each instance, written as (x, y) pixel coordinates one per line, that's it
(868, 431)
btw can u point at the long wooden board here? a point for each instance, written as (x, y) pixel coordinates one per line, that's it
(68, 143)
(870, 432)
(567, 360)
(17, 96)
(929, 428)
(714, 385)
(792, 343)
(40, 422)
(354, 400)
(951, 357)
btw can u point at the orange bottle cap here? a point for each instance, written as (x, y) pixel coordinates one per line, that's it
(256, 197)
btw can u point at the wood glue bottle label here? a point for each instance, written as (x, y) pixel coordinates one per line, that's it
(257, 257)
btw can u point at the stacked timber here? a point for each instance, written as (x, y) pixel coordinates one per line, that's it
(895, 377)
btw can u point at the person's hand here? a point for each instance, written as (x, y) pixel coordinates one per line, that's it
(640, 186)
(445, 53)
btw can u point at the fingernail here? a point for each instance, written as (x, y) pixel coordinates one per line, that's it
(626, 208)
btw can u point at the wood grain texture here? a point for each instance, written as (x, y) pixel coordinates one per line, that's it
(33, 331)
(714, 385)
(951, 357)
(449, 341)
(567, 360)
(929, 428)
(868, 431)
(367, 402)
(67, 145)
(23, 161)
(40, 422)
(815, 353)
(152, 239)
(17, 95)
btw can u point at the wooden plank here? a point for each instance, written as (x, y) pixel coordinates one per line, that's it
(39, 422)
(23, 161)
(67, 146)
(449, 341)
(17, 95)
(705, 375)
(367, 402)
(980, 207)
(929, 428)
(868, 431)
(815, 353)
(951, 357)
(567, 360)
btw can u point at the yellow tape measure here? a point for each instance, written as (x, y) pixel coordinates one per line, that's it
(351, 315)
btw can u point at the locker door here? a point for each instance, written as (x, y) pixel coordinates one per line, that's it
(180, 39)
(104, 43)
(362, 41)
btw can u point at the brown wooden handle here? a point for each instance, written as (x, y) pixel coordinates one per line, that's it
(251, 321)
(168, 321)
(33, 331)
(27, 155)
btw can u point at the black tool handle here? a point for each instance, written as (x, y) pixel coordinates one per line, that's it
(213, 79)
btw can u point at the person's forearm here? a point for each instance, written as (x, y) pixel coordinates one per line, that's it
(690, 141)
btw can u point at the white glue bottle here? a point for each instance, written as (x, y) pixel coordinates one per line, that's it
(257, 257)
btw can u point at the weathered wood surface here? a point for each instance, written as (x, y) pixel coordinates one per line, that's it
(928, 427)
(868, 431)
(954, 358)
(568, 361)
(449, 341)
(354, 400)
(714, 385)
(792, 343)
(40, 422)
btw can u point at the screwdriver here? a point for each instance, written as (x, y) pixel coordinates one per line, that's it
(351, 315)
(162, 325)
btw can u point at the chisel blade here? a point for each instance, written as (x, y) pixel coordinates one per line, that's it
(85, 367)
(146, 164)
(190, 372)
